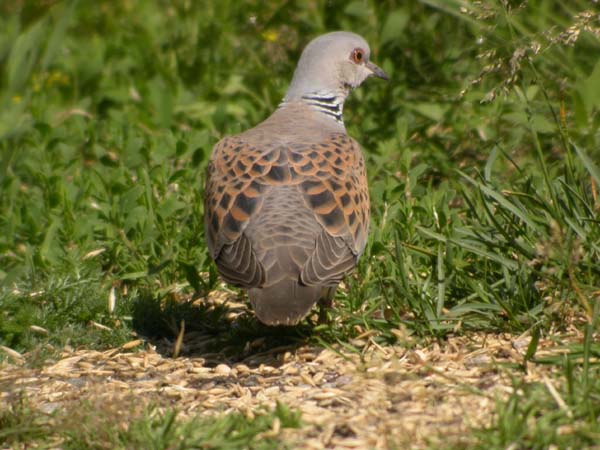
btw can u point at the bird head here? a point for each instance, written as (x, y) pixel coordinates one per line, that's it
(333, 63)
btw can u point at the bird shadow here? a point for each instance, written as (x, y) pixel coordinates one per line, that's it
(218, 331)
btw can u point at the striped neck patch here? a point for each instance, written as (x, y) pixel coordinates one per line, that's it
(328, 104)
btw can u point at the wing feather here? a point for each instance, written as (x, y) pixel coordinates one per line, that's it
(334, 186)
(329, 175)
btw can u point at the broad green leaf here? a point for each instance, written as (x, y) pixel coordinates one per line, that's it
(357, 8)
(130, 199)
(24, 55)
(59, 29)
(394, 26)
(589, 164)
(433, 111)
(169, 206)
(50, 248)
(590, 89)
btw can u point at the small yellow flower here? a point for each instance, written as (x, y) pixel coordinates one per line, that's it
(270, 35)
(57, 77)
(16, 99)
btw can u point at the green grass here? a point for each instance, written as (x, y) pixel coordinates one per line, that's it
(483, 158)
(121, 427)
(562, 410)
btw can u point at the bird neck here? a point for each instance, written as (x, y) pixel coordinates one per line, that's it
(329, 104)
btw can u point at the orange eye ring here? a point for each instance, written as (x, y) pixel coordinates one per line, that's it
(358, 55)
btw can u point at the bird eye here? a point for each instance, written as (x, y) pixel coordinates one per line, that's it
(357, 55)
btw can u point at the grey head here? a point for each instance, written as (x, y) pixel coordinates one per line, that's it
(331, 65)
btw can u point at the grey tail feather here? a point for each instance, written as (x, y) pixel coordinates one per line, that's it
(284, 303)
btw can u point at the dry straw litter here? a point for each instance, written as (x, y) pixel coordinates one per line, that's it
(378, 398)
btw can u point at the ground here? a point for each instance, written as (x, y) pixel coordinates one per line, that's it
(377, 397)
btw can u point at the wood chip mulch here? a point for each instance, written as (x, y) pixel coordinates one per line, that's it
(383, 397)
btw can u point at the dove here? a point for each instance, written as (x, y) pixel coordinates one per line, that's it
(286, 203)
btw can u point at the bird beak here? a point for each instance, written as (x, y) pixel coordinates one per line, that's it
(377, 71)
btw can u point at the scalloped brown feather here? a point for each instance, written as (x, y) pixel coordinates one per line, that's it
(286, 215)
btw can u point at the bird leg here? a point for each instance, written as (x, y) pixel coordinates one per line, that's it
(325, 304)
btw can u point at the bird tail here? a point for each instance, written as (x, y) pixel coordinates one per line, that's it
(284, 303)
